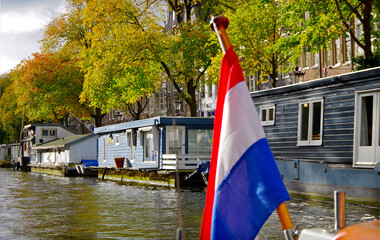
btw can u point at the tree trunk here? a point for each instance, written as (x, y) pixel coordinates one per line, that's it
(367, 28)
(191, 100)
(97, 115)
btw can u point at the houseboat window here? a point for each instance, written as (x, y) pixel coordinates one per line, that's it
(310, 122)
(148, 145)
(367, 128)
(200, 141)
(131, 143)
(316, 129)
(366, 120)
(117, 140)
(45, 132)
(267, 115)
(52, 133)
(175, 140)
(105, 149)
(305, 122)
(263, 115)
(49, 132)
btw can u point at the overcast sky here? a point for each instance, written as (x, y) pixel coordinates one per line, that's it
(21, 23)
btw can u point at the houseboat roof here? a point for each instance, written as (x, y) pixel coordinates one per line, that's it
(63, 142)
(48, 125)
(320, 82)
(154, 121)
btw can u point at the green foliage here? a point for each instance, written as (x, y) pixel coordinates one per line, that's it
(260, 37)
(10, 113)
(49, 87)
(361, 62)
(120, 66)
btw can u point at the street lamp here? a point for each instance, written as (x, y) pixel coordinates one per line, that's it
(178, 107)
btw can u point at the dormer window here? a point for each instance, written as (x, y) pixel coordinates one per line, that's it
(49, 132)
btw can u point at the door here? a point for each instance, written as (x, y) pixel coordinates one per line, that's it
(175, 139)
(367, 129)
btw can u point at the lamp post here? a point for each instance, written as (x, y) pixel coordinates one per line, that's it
(178, 107)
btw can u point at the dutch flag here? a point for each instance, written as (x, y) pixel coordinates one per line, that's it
(244, 185)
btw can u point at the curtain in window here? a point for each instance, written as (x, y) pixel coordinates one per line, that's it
(366, 121)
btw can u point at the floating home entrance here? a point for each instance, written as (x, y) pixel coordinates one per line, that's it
(367, 128)
(175, 139)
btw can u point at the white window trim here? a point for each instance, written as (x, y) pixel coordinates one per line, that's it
(117, 139)
(358, 95)
(49, 132)
(309, 141)
(130, 144)
(141, 130)
(105, 149)
(268, 122)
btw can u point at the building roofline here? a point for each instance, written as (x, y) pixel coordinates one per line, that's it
(347, 77)
(50, 144)
(48, 125)
(152, 122)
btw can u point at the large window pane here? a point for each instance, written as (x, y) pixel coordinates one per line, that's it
(304, 122)
(263, 115)
(316, 121)
(200, 141)
(366, 121)
(271, 114)
(148, 145)
(175, 140)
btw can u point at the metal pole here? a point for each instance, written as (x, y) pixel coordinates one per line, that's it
(217, 33)
(339, 210)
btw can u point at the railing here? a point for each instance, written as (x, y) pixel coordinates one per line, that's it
(185, 161)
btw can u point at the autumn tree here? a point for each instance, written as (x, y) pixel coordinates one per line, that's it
(119, 66)
(316, 23)
(48, 86)
(256, 31)
(191, 48)
(10, 113)
(66, 35)
(126, 34)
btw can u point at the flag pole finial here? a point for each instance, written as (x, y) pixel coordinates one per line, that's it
(219, 24)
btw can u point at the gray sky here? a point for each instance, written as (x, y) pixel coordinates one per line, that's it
(21, 23)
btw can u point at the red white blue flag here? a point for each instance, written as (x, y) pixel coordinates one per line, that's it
(244, 185)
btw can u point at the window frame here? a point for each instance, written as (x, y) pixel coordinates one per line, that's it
(105, 149)
(267, 108)
(51, 132)
(142, 131)
(310, 141)
(117, 139)
(131, 143)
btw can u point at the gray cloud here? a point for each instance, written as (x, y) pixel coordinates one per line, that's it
(17, 45)
(24, 6)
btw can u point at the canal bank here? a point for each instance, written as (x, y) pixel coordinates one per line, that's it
(151, 176)
(145, 176)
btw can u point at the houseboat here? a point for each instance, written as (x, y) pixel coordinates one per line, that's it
(155, 146)
(36, 134)
(324, 134)
(74, 152)
(9, 154)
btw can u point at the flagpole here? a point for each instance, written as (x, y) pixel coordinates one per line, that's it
(219, 24)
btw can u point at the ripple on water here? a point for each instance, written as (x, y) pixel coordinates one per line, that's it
(38, 206)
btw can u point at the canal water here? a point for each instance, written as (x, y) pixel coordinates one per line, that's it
(39, 206)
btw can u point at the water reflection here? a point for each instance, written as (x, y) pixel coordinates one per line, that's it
(37, 206)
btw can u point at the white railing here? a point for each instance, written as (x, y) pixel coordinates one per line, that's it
(185, 161)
